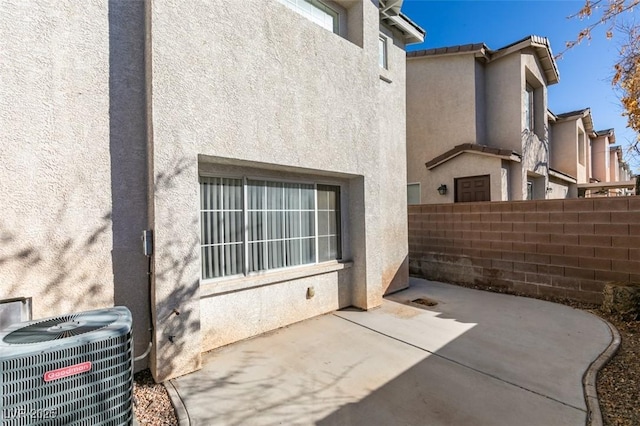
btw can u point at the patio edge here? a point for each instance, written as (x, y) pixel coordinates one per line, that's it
(594, 414)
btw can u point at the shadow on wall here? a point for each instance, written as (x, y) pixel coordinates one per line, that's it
(531, 143)
(128, 152)
(396, 278)
(175, 295)
(61, 274)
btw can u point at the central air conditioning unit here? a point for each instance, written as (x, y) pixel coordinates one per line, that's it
(74, 369)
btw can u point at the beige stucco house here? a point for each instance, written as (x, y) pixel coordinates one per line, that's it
(262, 142)
(584, 163)
(570, 152)
(610, 176)
(477, 122)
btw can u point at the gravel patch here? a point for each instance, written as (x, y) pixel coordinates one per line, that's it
(151, 403)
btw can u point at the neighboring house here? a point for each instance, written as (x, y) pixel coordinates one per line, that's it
(615, 157)
(477, 122)
(583, 162)
(570, 152)
(601, 142)
(263, 143)
(606, 160)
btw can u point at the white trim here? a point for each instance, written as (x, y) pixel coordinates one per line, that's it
(419, 193)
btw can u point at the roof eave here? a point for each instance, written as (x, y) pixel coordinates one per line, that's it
(390, 14)
(542, 48)
(509, 157)
(412, 32)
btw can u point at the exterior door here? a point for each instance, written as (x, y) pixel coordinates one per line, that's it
(473, 188)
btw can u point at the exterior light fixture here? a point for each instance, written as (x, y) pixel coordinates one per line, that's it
(442, 189)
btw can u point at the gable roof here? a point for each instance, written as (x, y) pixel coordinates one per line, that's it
(607, 132)
(480, 49)
(541, 46)
(473, 148)
(585, 114)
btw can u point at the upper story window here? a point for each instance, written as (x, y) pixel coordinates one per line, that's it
(382, 52)
(528, 108)
(315, 11)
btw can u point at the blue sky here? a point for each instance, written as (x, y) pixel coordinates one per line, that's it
(585, 70)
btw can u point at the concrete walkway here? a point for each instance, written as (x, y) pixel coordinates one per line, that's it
(476, 358)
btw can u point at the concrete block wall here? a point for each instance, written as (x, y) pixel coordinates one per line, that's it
(562, 248)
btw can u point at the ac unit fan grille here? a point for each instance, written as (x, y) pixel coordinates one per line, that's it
(101, 396)
(61, 327)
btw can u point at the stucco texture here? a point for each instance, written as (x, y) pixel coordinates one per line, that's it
(72, 108)
(253, 84)
(457, 98)
(55, 225)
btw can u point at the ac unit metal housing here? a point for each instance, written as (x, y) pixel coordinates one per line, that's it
(74, 369)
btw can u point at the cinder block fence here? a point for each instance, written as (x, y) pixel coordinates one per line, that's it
(563, 248)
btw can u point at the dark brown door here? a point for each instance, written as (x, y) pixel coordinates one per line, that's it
(473, 188)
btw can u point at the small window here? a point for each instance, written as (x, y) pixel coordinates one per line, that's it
(315, 11)
(382, 52)
(529, 190)
(250, 225)
(528, 109)
(413, 193)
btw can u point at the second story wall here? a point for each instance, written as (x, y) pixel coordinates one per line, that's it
(570, 149)
(614, 165)
(504, 103)
(600, 158)
(441, 104)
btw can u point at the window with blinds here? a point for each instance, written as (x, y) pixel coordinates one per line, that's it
(250, 225)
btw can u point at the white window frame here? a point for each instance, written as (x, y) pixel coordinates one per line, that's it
(529, 108)
(383, 51)
(246, 240)
(316, 11)
(413, 184)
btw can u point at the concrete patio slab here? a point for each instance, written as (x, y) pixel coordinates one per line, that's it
(475, 358)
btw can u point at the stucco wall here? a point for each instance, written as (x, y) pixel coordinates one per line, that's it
(504, 102)
(440, 96)
(463, 165)
(560, 189)
(600, 158)
(73, 154)
(393, 165)
(253, 83)
(55, 179)
(614, 166)
(564, 153)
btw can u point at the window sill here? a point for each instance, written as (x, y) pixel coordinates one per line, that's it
(217, 287)
(385, 79)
